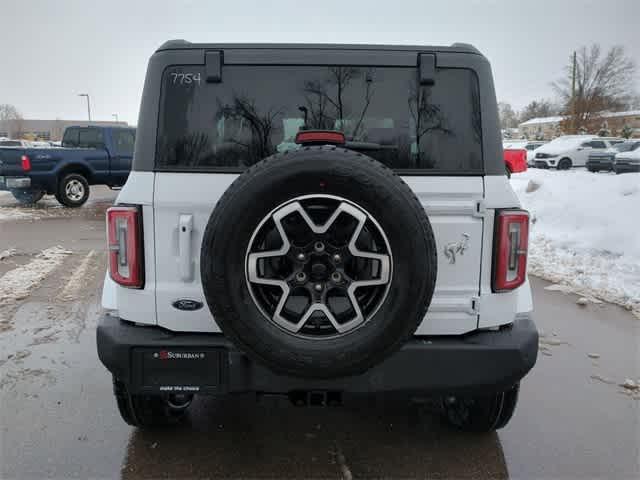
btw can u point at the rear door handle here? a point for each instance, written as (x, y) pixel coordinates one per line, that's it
(185, 233)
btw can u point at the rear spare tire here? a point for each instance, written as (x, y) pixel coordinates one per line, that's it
(318, 263)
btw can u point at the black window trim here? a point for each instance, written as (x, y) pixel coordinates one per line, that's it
(183, 54)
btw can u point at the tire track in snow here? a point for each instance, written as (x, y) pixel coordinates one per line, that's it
(18, 283)
(77, 280)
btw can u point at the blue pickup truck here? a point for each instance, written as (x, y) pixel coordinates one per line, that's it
(88, 156)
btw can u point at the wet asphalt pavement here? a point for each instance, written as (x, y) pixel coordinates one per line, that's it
(58, 417)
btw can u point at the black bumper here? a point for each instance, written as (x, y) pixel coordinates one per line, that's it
(627, 167)
(599, 164)
(152, 359)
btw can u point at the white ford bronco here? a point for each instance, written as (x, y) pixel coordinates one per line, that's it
(318, 221)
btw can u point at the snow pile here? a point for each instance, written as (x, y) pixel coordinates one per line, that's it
(585, 231)
(17, 283)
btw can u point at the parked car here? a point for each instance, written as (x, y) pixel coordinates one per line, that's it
(571, 150)
(258, 269)
(629, 160)
(529, 145)
(515, 160)
(90, 156)
(603, 160)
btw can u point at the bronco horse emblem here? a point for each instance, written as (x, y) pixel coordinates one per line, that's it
(450, 249)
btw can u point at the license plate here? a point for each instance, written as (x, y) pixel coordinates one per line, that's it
(180, 370)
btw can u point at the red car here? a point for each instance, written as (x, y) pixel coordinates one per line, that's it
(515, 160)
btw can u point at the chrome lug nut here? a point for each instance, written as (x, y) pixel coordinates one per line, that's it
(337, 258)
(301, 277)
(318, 247)
(301, 257)
(336, 277)
(318, 287)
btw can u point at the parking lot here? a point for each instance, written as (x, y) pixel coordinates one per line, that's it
(59, 418)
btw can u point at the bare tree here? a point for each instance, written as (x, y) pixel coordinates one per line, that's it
(262, 126)
(594, 83)
(325, 100)
(368, 95)
(11, 114)
(508, 118)
(632, 102)
(317, 103)
(538, 108)
(427, 117)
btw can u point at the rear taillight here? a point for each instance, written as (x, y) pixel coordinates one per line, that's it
(511, 243)
(26, 163)
(124, 234)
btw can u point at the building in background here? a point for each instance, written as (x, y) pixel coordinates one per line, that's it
(546, 128)
(50, 130)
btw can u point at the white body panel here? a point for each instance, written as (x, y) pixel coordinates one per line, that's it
(139, 305)
(632, 157)
(177, 206)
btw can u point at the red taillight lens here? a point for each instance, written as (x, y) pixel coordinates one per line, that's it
(511, 246)
(124, 234)
(320, 137)
(26, 163)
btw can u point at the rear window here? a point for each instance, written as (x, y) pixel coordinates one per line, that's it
(70, 138)
(257, 110)
(90, 138)
(83, 138)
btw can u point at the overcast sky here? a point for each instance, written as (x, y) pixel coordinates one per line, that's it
(52, 50)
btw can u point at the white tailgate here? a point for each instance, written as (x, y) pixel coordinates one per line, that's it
(453, 205)
(187, 200)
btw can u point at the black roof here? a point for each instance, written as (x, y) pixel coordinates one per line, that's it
(185, 45)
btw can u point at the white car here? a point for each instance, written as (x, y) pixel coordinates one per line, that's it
(628, 161)
(531, 146)
(570, 151)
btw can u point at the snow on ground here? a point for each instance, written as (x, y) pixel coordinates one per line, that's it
(8, 214)
(17, 283)
(585, 231)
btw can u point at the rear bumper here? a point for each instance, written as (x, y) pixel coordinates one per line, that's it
(627, 167)
(9, 183)
(602, 164)
(153, 360)
(541, 164)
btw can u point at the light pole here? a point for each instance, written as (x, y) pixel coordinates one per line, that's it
(88, 103)
(115, 115)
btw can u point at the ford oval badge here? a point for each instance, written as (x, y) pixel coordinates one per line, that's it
(187, 305)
